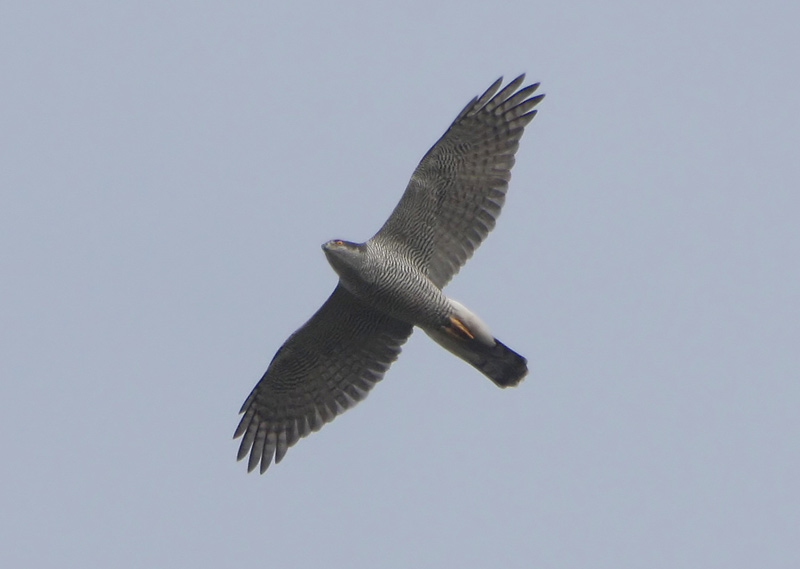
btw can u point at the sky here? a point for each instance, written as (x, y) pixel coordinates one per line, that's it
(169, 170)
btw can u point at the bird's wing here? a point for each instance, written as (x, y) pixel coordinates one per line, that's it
(458, 189)
(324, 368)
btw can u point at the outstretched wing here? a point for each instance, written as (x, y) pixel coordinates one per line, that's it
(324, 368)
(459, 187)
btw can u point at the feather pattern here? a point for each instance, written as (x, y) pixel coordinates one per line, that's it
(323, 369)
(394, 282)
(456, 193)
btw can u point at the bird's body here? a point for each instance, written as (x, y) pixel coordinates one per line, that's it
(393, 282)
(388, 280)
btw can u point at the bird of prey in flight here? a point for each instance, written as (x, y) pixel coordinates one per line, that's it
(393, 282)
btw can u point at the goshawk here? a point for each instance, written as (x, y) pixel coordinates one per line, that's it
(394, 281)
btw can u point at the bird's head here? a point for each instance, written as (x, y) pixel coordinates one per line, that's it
(345, 257)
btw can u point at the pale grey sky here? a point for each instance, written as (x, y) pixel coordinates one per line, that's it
(169, 170)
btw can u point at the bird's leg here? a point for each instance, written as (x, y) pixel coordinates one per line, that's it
(458, 329)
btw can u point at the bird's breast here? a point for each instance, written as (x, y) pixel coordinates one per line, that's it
(400, 290)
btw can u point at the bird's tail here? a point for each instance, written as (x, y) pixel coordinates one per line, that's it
(468, 337)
